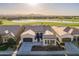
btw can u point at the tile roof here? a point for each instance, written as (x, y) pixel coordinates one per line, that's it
(75, 31)
(38, 28)
(49, 35)
(11, 28)
(31, 32)
(67, 29)
(47, 32)
(59, 30)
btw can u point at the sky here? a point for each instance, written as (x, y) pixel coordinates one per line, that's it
(39, 8)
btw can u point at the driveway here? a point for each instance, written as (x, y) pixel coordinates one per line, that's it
(25, 49)
(71, 49)
(26, 46)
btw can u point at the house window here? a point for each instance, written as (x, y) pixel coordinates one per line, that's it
(51, 42)
(48, 41)
(5, 40)
(45, 41)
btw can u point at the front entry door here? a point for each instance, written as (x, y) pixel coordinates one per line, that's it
(39, 37)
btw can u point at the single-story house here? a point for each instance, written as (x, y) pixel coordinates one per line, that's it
(7, 31)
(6, 35)
(74, 32)
(66, 33)
(39, 31)
(62, 34)
(39, 34)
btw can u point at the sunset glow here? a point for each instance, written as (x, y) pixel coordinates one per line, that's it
(39, 8)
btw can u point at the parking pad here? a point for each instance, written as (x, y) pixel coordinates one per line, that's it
(26, 46)
(71, 49)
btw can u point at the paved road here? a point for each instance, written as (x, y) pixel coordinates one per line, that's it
(29, 21)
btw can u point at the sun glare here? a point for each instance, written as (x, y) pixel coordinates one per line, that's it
(31, 3)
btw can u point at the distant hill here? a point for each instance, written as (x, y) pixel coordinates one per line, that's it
(36, 16)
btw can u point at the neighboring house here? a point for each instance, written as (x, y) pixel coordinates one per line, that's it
(61, 34)
(66, 33)
(74, 32)
(7, 31)
(6, 36)
(41, 34)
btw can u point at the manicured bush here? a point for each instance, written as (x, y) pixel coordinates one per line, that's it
(3, 47)
(47, 48)
(11, 42)
(62, 43)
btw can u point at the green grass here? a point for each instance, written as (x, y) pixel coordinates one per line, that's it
(6, 22)
(73, 20)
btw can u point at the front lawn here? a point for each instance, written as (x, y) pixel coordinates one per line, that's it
(47, 48)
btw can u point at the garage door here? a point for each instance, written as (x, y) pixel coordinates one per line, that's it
(66, 39)
(27, 39)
